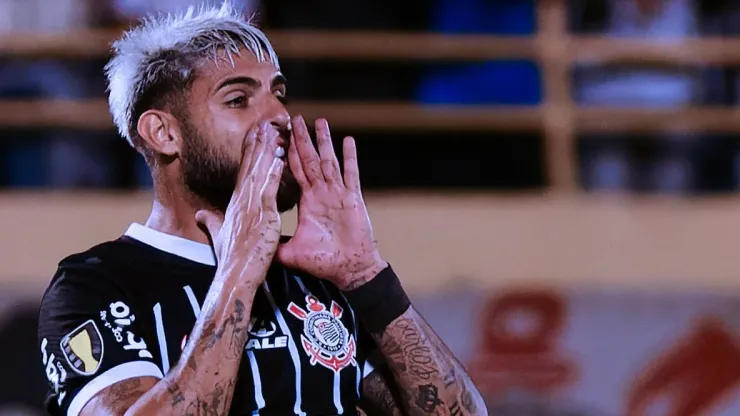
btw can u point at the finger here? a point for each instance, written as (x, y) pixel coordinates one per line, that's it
(351, 170)
(272, 184)
(248, 147)
(329, 162)
(306, 152)
(268, 151)
(212, 221)
(258, 149)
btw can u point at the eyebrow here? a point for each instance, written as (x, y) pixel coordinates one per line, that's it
(248, 81)
(279, 79)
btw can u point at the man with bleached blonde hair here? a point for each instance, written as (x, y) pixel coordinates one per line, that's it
(206, 309)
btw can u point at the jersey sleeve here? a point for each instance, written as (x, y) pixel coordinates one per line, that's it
(90, 337)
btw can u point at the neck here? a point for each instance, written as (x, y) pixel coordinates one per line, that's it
(174, 213)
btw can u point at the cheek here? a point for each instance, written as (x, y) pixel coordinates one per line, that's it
(233, 134)
(227, 141)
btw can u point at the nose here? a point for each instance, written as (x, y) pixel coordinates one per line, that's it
(279, 118)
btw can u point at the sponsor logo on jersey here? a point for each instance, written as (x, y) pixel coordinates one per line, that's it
(83, 348)
(55, 372)
(262, 335)
(325, 338)
(118, 318)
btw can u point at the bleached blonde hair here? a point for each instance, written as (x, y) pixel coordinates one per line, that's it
(160, 55)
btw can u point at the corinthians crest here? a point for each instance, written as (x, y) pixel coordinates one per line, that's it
(324, 337)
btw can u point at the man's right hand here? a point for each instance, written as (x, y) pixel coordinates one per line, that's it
(247, 234)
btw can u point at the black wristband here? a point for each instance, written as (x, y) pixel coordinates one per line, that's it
(380, 301)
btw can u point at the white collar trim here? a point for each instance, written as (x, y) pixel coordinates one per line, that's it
(191, 250)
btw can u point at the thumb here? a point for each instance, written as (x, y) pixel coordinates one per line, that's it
(211, 220)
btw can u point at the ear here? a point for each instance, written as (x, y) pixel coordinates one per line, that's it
(161, 132)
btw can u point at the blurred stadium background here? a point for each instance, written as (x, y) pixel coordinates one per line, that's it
(555, 180)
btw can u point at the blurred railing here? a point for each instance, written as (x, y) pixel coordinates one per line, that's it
(552, 238)
(556, 51)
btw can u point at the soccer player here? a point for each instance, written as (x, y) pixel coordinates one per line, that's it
(206, 309)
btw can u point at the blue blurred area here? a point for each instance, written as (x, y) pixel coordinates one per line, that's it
(50, 157)
(494, 82)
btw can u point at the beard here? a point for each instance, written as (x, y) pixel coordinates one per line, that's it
(211, 174)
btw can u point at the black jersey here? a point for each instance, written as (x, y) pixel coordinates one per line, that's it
(125, 309)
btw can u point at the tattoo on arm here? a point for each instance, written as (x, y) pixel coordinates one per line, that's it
(233, 325)
(430, 379)
(377, 396)
(214, 404)
(123, 394)
(190, 389)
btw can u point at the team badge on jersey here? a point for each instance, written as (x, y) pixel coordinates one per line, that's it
(83, 348)
(325, 338)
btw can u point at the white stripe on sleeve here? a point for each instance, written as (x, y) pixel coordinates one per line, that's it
(116, 374)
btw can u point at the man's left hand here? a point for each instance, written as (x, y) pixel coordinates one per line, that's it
(334, 238)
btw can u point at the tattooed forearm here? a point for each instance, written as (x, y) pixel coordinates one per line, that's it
(202, 382)
(177, 396)
(234, 326)
(214, 404)
(431, 380)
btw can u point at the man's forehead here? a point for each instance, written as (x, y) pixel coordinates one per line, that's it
(244, 64)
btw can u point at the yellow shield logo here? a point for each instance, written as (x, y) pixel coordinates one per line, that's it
(83, 348)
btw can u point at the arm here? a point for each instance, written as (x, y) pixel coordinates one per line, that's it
(205, 375)
(334, 241)
(379, 398)
(423, 376)
(430, 379)
(245, 239)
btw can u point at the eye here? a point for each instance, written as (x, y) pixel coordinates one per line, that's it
(237, 102)
(279, 93)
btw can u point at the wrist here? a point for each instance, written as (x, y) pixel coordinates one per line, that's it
(240, 281)
(363, 275)
(380, 301)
